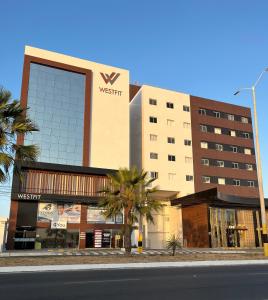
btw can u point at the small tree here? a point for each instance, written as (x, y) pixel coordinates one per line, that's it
(173, 243)
(13, 122)
(129, 191)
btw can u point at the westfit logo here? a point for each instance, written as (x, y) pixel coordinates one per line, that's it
(110, 78)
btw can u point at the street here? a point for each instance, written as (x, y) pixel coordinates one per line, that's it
(164, 283)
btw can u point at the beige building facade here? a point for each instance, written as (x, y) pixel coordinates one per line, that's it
(161, 143)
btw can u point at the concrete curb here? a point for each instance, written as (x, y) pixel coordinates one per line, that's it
(50, 268)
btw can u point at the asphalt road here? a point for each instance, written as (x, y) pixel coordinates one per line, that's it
(165, 283)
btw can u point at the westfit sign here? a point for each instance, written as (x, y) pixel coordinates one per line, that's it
(23, 196)
(110, 79)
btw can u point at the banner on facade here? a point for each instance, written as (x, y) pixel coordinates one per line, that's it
(69, 213)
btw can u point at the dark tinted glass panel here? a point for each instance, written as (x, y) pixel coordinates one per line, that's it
(56, 103)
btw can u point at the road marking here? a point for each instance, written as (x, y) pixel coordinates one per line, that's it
(102, 281)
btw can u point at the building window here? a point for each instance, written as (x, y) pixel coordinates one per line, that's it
(219, 147)
(188, 160)
(247, 151)
(153, 120)
(221, 181)
(170, 122)
(186, 108)
(236, 182)
(217, 114)
(186, 125)
(171, 140)
(153, 137)
(205, 162)
(152, 102)
(220, 163)
(234, 165)
(189, 178)
(154, 175)
(245, 135)
(202, 111)
(217, 130)
(203, 128)
(232, 133)
(205, 179)
(244, 120)
(204, 145)
(187, 142)
(249, 167)
(171, 157)
(230, 117)
(153, 155)
(251, 183)
(171, 176)
(170, 105)
(234, 149)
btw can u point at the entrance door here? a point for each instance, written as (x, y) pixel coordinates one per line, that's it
(89, 239)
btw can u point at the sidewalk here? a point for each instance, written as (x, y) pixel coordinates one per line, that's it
(118, 252)
(79, 267)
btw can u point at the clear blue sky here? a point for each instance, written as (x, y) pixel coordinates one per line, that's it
(205, 48)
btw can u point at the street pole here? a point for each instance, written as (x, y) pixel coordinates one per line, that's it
(259, 174)
(258, 161)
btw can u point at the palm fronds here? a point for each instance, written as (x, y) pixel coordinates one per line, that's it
(13, 122)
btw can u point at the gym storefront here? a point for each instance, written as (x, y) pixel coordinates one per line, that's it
(55, 208)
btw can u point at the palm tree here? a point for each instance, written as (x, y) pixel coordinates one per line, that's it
(173, 243)
(13, 122)
(129, 191)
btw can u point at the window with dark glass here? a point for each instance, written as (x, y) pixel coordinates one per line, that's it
(152, 101)
(171, 140)
(153, 120)
(186, 108)
(171, 157)
(170, 105)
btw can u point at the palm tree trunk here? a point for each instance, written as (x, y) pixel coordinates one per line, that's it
(127, 238)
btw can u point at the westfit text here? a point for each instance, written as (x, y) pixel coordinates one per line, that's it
(111, 91)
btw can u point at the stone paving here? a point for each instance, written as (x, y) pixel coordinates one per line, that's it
(118, 252)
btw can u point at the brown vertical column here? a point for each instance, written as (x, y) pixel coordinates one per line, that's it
(24, 91)
(12, 224)
(83, 225)
(86, 139)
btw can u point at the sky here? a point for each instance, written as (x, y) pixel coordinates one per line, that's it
(206, 48)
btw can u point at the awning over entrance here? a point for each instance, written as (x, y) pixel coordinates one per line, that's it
(213, 197)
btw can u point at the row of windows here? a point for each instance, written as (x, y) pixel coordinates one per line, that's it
(227, 164)
(225, 147)
(154, 155)
(171, 176)
(223, 115)
(229, 181)
(170, 140)
(170, 122)
(169, 105)
(226, 131)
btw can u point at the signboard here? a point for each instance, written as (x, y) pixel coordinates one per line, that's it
(58, 225)
(95, 215)
(106, 239)
(59, 212)
(97, 238)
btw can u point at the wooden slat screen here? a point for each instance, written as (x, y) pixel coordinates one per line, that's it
(42, 182)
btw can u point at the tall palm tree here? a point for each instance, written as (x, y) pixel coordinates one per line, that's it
(13, 122)
(129, 191)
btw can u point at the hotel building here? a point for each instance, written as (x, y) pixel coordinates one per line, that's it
(92, 122)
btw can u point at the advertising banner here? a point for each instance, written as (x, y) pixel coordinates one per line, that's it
(69, 213)
(95, 215)
(45, 212)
